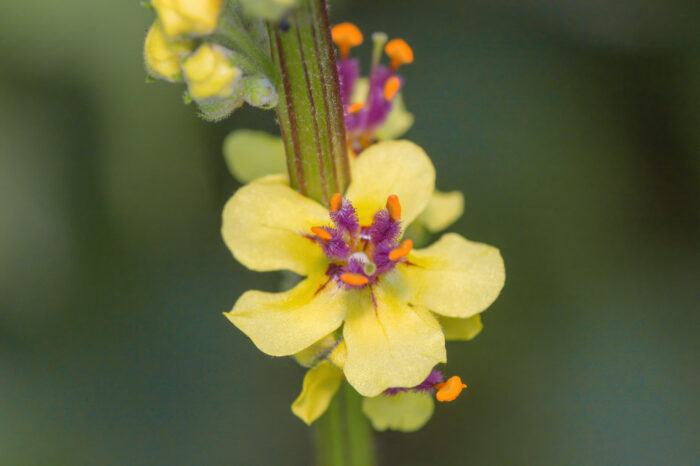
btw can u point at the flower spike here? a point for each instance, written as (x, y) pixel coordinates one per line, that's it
(450, 390)
(394, 208)
(346, 36)
(399, 52)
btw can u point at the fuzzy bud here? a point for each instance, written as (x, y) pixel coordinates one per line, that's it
(258, 91)
(196, 17)
(163, 55)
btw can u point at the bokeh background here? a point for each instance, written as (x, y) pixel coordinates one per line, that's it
(572, 127)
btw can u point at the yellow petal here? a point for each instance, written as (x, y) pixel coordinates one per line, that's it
(461, 329)
(390, 345)
(397, 122)
(391, 167)
(320, 385)
(251, 154)
(264, 224)
(319, 350)
(442, 210)
(454, 277)
(339, 354)
(405, 411)
(281, 324)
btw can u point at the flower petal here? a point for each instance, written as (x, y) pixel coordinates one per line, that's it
(320, 385)
(405, 411)
(390, 345)
(251, 154)
(264, 223)
(397, 122)
(391, 167)
(442, 210)
(461, 329)
(281, 324)
(454, 277)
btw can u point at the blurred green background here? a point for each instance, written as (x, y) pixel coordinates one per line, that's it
(572, 127)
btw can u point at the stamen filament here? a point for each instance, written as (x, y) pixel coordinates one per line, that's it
(399, 52)
(346, 36)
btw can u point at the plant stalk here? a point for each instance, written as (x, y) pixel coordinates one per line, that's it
(310, 110)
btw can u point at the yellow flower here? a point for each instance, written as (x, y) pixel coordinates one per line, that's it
(210, 73)
(251, 154)
(163, 55)
(358, 275)
(197, 17)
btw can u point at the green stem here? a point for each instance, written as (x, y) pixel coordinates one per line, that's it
(343, 436)
(310, 110)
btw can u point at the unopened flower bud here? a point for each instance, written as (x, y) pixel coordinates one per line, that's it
(210, 73)
(197, 17)
(163, 55)
(258, 91)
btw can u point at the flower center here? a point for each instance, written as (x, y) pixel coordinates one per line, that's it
(359, 255)
(364, 116)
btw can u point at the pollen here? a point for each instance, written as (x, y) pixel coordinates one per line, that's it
(391, 87)
(394, 207)
(450, 390)
(354, 279)
(356, 107)
(402, 251)
(346, 36)
(321, 233)
(399, 52)
(336, 202)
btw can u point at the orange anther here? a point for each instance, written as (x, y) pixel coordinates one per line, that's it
(321, 233)
(394, 208)
(336, 202)
(399, 52)
(356, 107)
(346, 36)
(450, 390)
(402, 251)
(354, 279)
(391, 87)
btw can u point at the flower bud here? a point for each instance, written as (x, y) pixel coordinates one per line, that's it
(258, 91)
(162, 55)
(197, 17)
(210, 73)
(270, 10)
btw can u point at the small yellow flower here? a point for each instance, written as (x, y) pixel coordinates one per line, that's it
(359, 275)
(196, 17)
(163, 55)
(252, 154)
(210, 73)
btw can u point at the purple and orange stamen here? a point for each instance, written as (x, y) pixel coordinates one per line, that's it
(346, 36)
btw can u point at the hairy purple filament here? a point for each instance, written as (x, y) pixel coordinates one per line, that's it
(427, 386)
(361, 251)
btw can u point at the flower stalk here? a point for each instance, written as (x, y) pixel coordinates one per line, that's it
(342, 435)
(310, 111)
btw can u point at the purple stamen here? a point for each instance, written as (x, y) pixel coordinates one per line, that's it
(428, 385)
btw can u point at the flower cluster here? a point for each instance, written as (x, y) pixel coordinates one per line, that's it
(372, 309)
(217, 49)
